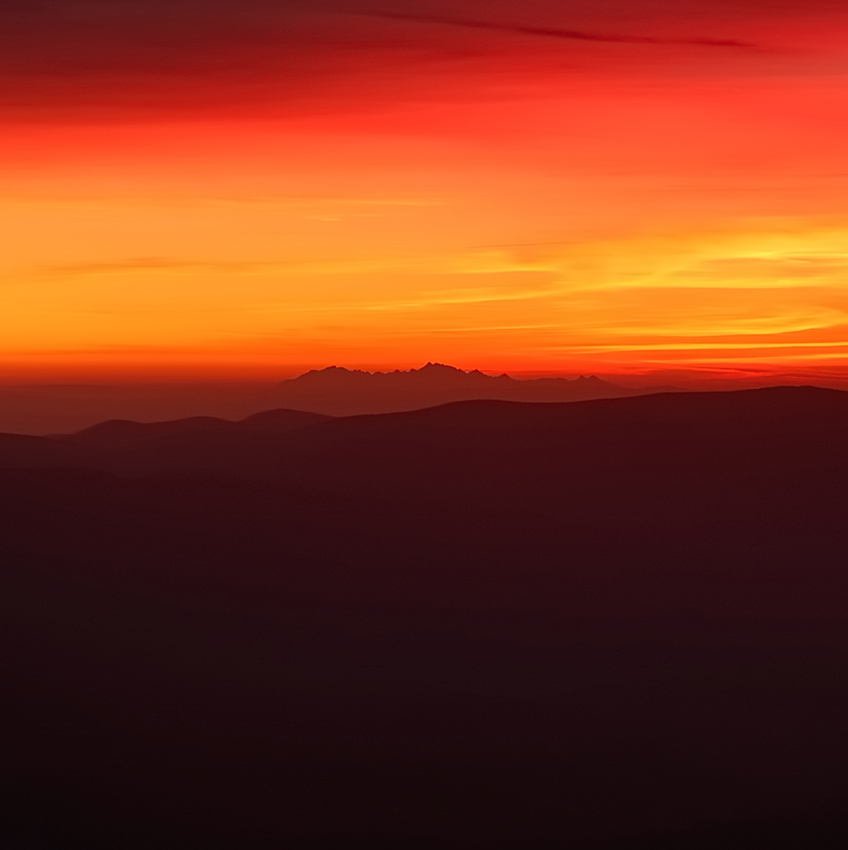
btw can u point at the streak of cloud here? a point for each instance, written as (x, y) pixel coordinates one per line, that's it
(566, 34)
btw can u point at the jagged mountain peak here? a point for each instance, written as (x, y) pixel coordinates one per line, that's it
(339, 391)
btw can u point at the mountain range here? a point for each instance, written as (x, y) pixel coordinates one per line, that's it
(62, 408)
(344, 392)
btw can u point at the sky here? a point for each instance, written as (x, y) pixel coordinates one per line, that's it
(249, 189)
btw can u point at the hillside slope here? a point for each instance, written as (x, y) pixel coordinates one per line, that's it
(481, 625)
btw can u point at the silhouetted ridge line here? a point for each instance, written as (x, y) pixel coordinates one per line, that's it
(452, 439)
(122, 432)
(344, 392)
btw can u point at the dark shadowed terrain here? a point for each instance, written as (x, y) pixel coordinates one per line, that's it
(604, 624)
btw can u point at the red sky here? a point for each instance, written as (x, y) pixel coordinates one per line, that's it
(250, 188)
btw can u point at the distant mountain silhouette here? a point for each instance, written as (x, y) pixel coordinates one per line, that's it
(64, 408)
(119, 433)
(344, 392)
(615, 623)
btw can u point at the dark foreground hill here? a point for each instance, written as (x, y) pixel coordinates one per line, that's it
(617, 623)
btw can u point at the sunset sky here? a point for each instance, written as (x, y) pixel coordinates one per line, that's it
(247, 188)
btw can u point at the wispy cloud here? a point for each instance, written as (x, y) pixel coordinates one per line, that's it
(144, 265)
(566, 34)
(471, 264)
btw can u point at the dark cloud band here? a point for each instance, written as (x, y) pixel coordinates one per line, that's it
(555, 32)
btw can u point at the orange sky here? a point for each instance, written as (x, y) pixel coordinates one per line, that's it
(248, 189)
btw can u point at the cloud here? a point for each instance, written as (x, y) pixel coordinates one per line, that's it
(470, 264)
(101, 61)
(566, 34)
